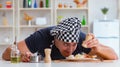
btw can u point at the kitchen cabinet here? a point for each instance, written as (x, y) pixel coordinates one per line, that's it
(7, 24)
(107, 32)
(51, 15)
(48, 16)
(24, 28)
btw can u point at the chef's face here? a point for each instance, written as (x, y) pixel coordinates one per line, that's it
(65, 48)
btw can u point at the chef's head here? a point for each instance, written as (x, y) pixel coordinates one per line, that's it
(66, 35)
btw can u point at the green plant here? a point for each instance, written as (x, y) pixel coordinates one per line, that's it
(104, 10)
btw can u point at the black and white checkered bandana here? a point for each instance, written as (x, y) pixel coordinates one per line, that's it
(67, 30)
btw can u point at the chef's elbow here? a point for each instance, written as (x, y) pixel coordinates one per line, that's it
(115, 57)
(6, 54)
(4, 57)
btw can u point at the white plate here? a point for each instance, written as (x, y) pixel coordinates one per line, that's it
(82, 59)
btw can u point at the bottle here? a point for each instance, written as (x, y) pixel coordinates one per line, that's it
(35, 4)
(47, 3)
(15, 53)
(5, 21)
(24, 3)
(41, 4)
(8, 4)
(29, 3)
(83, 21)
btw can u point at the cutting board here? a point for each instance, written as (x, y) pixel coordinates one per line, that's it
(94, 61)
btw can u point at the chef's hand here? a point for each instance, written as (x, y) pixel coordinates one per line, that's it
(93, 43)
(25, 57)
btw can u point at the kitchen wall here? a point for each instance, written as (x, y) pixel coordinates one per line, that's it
(95, 12)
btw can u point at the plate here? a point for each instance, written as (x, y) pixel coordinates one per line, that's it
(78, 60)
(82, 59)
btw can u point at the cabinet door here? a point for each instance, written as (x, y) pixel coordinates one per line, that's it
(106, 28)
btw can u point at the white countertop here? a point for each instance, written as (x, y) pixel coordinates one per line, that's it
(61, 64)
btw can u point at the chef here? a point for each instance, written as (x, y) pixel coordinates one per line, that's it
(64, 39)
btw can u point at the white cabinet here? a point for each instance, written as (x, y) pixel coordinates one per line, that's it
(107, 32)
(106, 28)
(7, 24)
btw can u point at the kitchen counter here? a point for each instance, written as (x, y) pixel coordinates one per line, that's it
(115, 63)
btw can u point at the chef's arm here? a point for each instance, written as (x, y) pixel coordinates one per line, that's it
(25, 53)
(6, 54)
(23, 47)
(104, 52)
(99, 49)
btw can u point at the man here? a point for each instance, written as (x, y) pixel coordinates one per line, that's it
(64, 39)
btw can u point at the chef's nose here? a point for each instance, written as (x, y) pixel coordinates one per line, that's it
(70, 49)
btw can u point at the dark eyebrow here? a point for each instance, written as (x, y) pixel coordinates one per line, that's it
(68, 43)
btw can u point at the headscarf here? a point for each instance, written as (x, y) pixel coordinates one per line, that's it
(67, 30)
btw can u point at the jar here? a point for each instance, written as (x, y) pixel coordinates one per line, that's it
(60, 5)
(35, 58)
(15, 54)
(0, 5)
(8, 4)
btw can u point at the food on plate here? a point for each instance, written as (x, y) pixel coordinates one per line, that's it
(70, 57)
(81, 56)
(88, 37)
